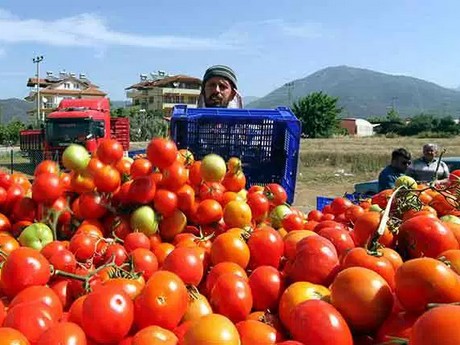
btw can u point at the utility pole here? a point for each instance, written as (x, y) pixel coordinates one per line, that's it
(37, 61)
(289, 86)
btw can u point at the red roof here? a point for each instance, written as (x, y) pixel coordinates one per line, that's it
(148, 84)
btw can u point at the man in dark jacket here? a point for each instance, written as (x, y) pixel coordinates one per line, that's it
(400, 160)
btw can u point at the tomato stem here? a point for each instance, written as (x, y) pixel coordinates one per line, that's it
(3, 254)
(395, 341)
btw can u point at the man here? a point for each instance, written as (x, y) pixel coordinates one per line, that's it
(400, 160)
(423, 169)
(219, 89)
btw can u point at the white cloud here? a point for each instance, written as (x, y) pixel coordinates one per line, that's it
(89, 30)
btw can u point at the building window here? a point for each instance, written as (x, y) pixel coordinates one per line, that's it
(66, 85)
(136, 102)
(151, 99)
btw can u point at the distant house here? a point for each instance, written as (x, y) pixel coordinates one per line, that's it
(163, 91)
(358, 127)
(55, 88)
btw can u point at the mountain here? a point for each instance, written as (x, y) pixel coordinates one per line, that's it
(249, 99)
(365, 93)
(118, 104)
(14, 109)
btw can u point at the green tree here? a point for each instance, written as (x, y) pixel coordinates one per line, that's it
(418, 124)
(318, 114)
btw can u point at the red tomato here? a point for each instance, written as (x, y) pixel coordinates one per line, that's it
(275, 193)
(109, 151)
(94, 205)
(363, 298)
(426, 280)
(212, 329)
(425, 236)
(437, 326)
(211, 190)
(230, 247)
(24, 209)
(107, 179)
(316, 261)
(42, 294)
(292, 222)
(340, 238)
(186, 263)
(163, 301)
(267, 285)
(24, 267)
(161, 152)
(5, 224)
(108, 315)
(340, 205)
(266, 247)
(165, 202)
(136, 240)
(256, 332)
(259, 205)
(154, 335)
(141, 167)
(30, 318)
(185, 197)
(46, 188)
(209, 211)
(117, 253)
(309, 314)
(64, 333)
(396, 325)
(360, 257)
(231, 296)
(220, 269)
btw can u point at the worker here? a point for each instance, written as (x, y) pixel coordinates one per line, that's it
(424, 168)
(400, 160)
(219, 89)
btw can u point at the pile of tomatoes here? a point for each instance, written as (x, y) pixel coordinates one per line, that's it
(167, 249)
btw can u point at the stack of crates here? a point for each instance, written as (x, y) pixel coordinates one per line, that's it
(266, 140)
(119, 129)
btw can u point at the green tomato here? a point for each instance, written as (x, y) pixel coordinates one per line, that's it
(277, 215)
(36, 236)
(75, 157)
(213, 168)
(144, 220)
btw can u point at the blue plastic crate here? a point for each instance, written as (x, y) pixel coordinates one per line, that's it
(134, 153)
(322, 201)
(266, 140)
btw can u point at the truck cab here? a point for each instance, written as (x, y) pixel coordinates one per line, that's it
(85, 121)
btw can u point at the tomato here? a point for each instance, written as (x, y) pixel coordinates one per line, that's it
(171, 226)
(437, 326)
(174, 176)
(13, 194)
(396, 325)
(132, 287)
(297, 293)
(291, 240)
(213, 168)
(209, 211)
(109, 151)
(154, 335)
(267, 286)
(24, 209)
(231, 296)
(24, 267)
(115, 252)
(141, 167)
(256, 332)
(162, 251)
(266, 247)
(392, 256)
(234, 182)
(198, 307)
(230, 247)
(309, 314)
(186, 157)
(30, 318)
(136, 240)
(292, 222)
(83, 246)
(165, 202)
(237, 214)
(275, 193)
(186, 263)
(360, 257)
(194, 175)
(259, 205)
(366, 226)
(426, 280)
(363, 298)
(328, 224)
(5, 224)
(107, 179)
(163, 301)
(212, 329)
(220, 269)
(46, 188)
(124, 166)
(185, 197)
(76, 310)
(64, 333)
(161, 152)
(81, 183)
(340, 238)
(315, 261)
(340, 205)
(425, 236)
(10, 335)
(7, 244)
(108, 315)
(42, 294)
(95, 206)
(353, 212)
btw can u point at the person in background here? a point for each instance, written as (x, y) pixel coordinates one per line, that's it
(400, 160)
(219, 89)
(423, 169)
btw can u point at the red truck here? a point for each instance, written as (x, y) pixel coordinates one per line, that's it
(85, 121)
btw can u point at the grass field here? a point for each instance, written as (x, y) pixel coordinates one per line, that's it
(331, 167)
(327, 167)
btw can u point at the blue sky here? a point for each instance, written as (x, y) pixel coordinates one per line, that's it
(268, 43)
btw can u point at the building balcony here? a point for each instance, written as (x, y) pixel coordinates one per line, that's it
(183, 92)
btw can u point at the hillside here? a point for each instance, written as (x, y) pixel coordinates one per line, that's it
(14, 108)
(364, 93)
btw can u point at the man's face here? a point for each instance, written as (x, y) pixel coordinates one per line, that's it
(401, 164)
(429, 154)
(218, 92)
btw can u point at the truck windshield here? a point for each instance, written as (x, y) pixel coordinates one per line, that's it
(64, 131)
